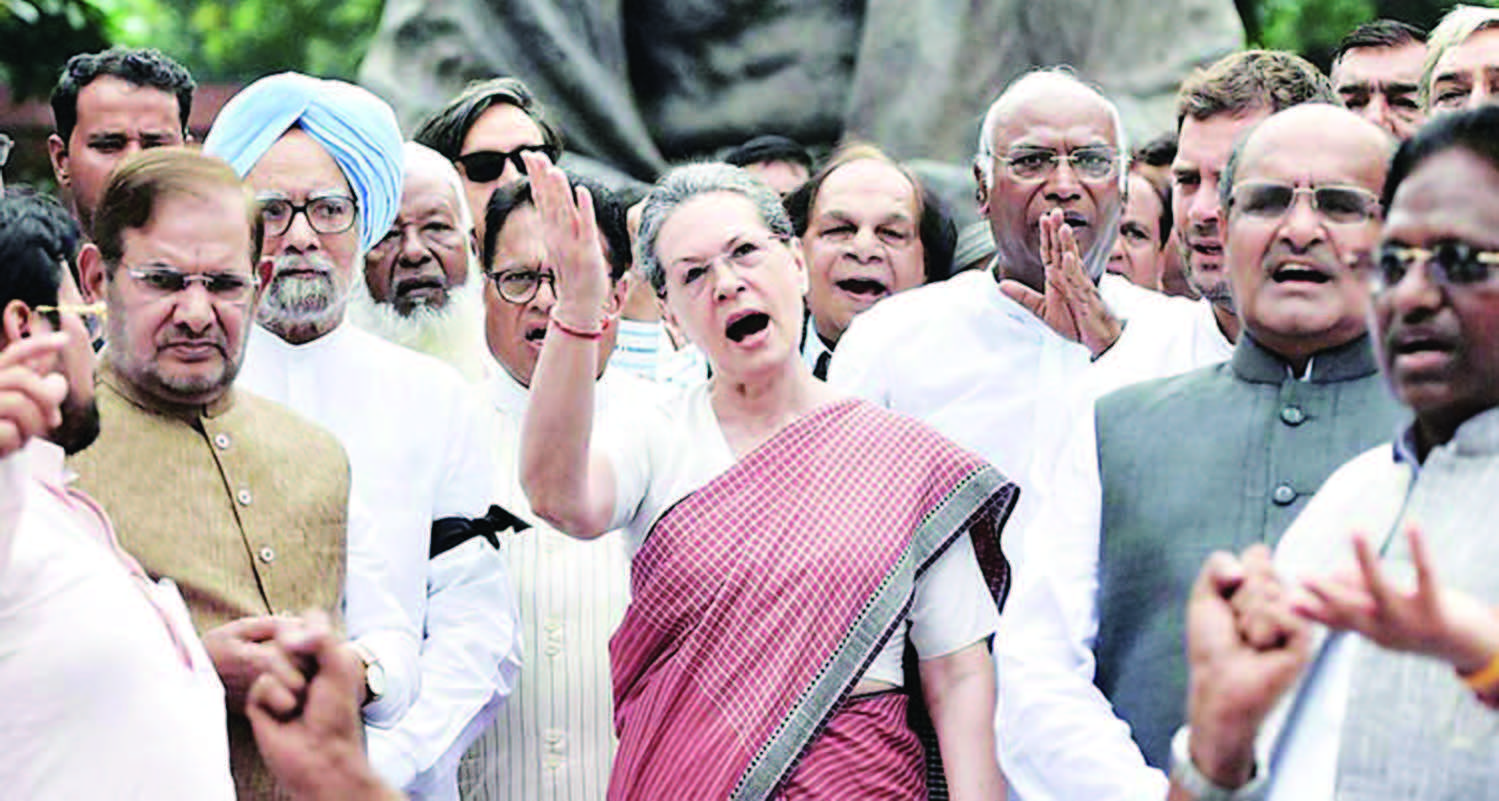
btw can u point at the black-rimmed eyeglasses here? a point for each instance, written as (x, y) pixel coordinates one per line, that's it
(520, 285)
(328, 214)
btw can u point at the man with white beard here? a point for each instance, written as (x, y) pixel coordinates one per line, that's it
(423, 288)
(324, 159)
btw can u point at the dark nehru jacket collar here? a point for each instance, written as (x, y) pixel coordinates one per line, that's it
(1254, 363)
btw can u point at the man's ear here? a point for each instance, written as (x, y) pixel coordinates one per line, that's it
(617, 294)
(980, 191)
(57, 153)
(263, 272)
(17, 322)
(93, 271)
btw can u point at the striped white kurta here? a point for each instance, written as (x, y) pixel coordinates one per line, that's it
(554, 738)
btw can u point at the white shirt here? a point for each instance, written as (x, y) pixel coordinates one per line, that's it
(109, 693)
(665, 456)
(992, 376)
(982, 370)
(646, 350)
(1163, 336)
(554, 739)
(420, 449)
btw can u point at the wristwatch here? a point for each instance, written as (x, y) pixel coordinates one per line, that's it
(374, 673)
(1186, 774)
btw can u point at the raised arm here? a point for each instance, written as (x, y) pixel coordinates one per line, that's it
(30, 406)
(568, 485)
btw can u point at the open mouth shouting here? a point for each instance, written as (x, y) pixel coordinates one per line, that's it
(746, 327)
(535, 332)
(1300, 273)
(863, 289)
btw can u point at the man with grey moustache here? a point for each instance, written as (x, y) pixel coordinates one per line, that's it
(324, 159)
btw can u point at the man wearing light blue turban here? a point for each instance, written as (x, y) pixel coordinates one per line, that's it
(356, 128)
(325, 161)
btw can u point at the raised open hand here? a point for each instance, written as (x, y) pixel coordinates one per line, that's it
(573, 244)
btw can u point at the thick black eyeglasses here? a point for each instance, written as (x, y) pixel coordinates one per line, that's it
(329, 214)
(520, 286)
(1450, 264)
(483, 166)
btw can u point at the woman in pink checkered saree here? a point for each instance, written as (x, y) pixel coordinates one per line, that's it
(813, 578)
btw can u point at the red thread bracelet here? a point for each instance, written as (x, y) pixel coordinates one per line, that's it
(580, 333)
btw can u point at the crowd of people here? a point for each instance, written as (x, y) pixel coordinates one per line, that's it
(335, 465)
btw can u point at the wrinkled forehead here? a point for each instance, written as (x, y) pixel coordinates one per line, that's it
(868, 182)
(1477, 53)
(297, 165)
(1053, 113)
(702, 225)
(1316, 144)
(1380, 66)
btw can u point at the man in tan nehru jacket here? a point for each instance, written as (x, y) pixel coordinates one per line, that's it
(242, 503)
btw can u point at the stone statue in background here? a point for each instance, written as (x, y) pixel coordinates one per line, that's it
(640, 83)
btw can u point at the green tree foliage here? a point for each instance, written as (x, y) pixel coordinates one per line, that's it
(240, 40)
(1311, 27)
(1314, 27)
(38, 36)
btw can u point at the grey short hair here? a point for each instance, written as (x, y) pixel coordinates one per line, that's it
(1454, 29)
(983, 157)
(685, 183)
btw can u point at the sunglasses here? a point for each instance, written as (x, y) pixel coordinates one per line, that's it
(483, 166)
(1449, 264)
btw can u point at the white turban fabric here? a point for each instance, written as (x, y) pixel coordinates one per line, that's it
(357, 128)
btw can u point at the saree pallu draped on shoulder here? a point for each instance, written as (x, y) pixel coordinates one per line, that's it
(760, 599)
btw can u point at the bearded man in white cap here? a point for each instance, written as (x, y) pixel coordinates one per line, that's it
(423, 287)
(324, 159)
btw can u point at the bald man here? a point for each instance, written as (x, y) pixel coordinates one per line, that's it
(1300, 396)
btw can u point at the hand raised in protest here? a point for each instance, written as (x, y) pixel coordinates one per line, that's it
(1236, 681)
(30, 396)
(1441, 623)
(311, 735)
(573, 244)
(1070, 303)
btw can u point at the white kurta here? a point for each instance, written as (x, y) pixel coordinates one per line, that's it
(421, 448)
(108, 691)
(985, 372)
(554, 739)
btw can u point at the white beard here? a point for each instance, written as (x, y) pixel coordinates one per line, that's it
(453, 333)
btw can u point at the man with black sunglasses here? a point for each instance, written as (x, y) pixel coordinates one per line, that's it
(1339, 717)
(484, 131)
(1221, 457)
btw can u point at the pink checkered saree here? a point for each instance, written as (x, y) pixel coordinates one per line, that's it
(760, 599)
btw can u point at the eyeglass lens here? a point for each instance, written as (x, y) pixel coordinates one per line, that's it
(1337, 203)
